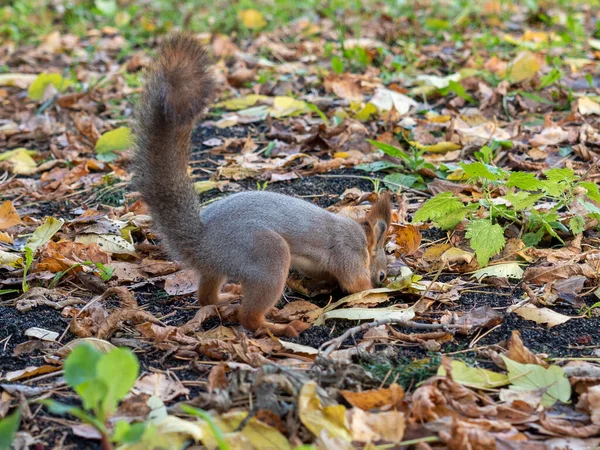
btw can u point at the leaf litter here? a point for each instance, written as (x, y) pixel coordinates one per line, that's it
(486, 334)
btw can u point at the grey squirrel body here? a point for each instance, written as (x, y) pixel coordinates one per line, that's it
(254, 238)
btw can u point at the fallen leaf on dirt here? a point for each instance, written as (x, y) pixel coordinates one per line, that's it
(159, 385)
(99, 344)
(375, 398)
(8, 215)
(545, 274)
(587, 106)
(42, 334)
(44, 233)
(524, 66)
(531, 377)
(298, 348)
(29, 372)
(21, 80)
(367, 426)
(112, 142)
(508, 270)
(481, 317)
(521, 354)
(38, 87)
(182, 283)
(386, 99)
(20, 161)
(456, 255)
(401, 315)
(39, 296)
(474, 377)
(540, 315)
(109, 243)
(317, 417)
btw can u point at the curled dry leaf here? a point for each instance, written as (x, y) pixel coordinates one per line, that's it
(159, 385)
(387, 426)
(376, 398)
(38, 296)
(181, 283)
(518, 352)
(114, 320)
(9, 216)
(408, 239)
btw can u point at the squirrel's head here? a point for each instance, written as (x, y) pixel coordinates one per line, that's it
(376, 225)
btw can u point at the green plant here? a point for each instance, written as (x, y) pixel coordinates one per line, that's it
(8, 428)
(262, 186)
(101, 380)
(561, 188)
(26, 267)
(217, 433)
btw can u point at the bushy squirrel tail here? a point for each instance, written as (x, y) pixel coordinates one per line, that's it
(178, 86)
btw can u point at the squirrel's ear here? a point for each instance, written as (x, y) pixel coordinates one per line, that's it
(379, 217)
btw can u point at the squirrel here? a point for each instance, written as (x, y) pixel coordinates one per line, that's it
(252, 238)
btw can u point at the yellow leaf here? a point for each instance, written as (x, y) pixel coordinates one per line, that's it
(287, 106)
(440, 147)
(44, 233)
(114, 141)
(242, 102)
(21, 160)
(259, 434)
(7, 258)
(474, 376)
(318, 418)
(8, 215)
(343, 155)
(205, 186)
(5, 237)
(109, 243)
(523, 67)
(365, 113)
(21, 80)
(252, 19)
(39, 85)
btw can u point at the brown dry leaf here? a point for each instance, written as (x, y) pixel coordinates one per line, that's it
(159, 385)
(344, 86)
(217, 377)
(408, 239)
(540, 315)
(521, 354)
(9, 216)
(482, 317)
(376, 398)
(296, 310)
(38, 296)
(30, 371)
(552, 135)
(428, 404)
(182, 283)
(545, 274)
(566, 427)
(114, 320)
(65, 255)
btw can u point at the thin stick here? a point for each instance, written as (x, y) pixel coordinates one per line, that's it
(328, 347)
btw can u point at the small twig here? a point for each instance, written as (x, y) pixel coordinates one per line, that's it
(328, 347)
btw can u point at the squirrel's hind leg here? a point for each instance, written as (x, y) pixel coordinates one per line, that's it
(265, 287)
(209, 290)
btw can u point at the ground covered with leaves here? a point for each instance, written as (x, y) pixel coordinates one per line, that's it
(481, 118)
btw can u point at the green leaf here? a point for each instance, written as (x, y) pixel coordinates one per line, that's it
(114, 141)
(444, 209)
(550, 78)
(558, 175)
(118, 370)
(337, 65)
(533, 239)
(378, 166)
(400, 178)
(481, 170)
(126, 433)
(486, 239)
(593, 193)
(37, 88)
(531, 377)
(524, 180)
(389, 149)
(576, 224)
(522, 200)
(8, 429)
(474, 377)
(314, 108)
(535, 98)
(458, 89)
(80, 365)
(44, 233)
(217, 433)
(94, 394)
(107, 8)
(60, 408)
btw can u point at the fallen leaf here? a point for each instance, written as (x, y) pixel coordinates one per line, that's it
(375, 398)
(385, 426)
(317, 417)
(157, 384)
(44, 233)
(474, 377)
(21, 161)
(531, 377)
(408, 238)
(386, 99)
(521, 354)
(40, 83)
(508, 270)
(523, 67)
(182, 283)
(587, 106)
(8, 215)
(252, 19)
(540, 315)
(109, 243)
(42, 334)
